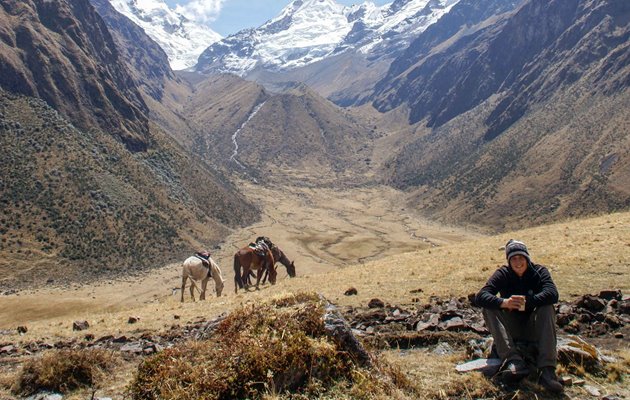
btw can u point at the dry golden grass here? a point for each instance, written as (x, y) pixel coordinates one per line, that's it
(436, 378)
(64, 371)
(276, 347)
(584, 256)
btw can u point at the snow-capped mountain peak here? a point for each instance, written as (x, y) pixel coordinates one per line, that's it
(182, 39)
(306, 31)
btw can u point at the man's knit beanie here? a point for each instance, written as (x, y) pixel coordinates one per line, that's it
(514, 247)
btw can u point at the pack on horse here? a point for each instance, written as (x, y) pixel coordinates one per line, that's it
(250, 258)
(279, 256)
(201, 267)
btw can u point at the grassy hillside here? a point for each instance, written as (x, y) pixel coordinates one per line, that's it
(296, 131)
(584, 256)
(565, 159)
(77, 205)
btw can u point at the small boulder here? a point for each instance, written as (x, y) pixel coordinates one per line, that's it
(563, 319)
(134, 348)
(351, 292)
(443, 349)
(592, 390)
(573, 350)
(22, 330)
(565, 309)
(455, 324)
(80, 325)
(610, 294)
(592, 303)
(376, 303)
(133, 320)
(566, 380)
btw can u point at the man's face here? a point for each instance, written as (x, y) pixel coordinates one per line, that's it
(518, 263)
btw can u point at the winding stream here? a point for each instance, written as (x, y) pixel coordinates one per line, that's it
(251, 115)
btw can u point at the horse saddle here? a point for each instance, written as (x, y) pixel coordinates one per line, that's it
(260, 248)
(204, 256)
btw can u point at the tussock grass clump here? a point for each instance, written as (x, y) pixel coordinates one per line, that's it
(259, 350)
(64, 370)
(619, 371)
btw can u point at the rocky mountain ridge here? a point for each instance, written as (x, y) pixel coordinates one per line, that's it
(145, 59)
(90, 188)
(182, 39)
(530, 127)
(309, 31)
(63, 53)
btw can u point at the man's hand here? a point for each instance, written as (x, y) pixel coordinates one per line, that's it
(515, 303)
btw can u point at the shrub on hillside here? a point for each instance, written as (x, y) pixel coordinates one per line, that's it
(272, 348)
(64, 370)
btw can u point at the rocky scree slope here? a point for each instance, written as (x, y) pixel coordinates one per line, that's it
(543, 134)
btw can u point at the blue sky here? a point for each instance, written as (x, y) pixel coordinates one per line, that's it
(230, 16)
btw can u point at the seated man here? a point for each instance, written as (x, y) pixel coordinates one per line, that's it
(523, 311)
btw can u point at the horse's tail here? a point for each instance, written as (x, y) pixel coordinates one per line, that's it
(238, 280)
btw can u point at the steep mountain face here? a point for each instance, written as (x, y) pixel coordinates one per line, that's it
(476, 60)
(253, 131)
(79, 206)
(63, 53)
(88, 188)
(460, 20)
(308, 31)
(144, 57)
(544, 134)
(596, 40)
(183, 40)
(163, 91)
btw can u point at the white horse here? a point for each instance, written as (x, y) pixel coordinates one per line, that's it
(193, 268)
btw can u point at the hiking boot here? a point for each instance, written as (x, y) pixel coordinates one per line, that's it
(549, 380)
(514, 371)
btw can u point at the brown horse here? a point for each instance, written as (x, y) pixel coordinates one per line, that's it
(247, 259)
(279, 256)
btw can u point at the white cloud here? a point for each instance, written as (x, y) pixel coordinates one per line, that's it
(203, 11)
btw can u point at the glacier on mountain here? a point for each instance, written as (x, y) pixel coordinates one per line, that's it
(307, 31)
(182, 39)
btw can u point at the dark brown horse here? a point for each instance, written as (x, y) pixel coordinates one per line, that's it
(279, 257)
(248, 259)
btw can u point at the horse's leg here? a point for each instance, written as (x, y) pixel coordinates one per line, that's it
(238, 282)
(264, 280)
(204, 284)
(246, 271)
(250, 276)
(184, 277)
(192, 288)
(259, 274)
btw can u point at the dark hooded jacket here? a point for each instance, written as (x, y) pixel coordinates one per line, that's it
(535, 284)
